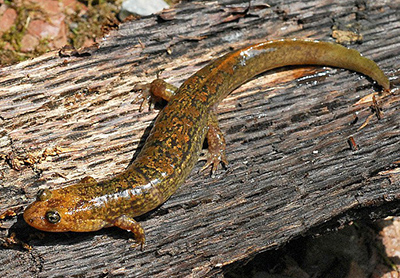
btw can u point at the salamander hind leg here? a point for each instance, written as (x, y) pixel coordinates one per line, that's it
(154, 92)
(131, 225)
(216, 145)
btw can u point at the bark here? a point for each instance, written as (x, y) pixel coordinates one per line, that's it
(292, 171)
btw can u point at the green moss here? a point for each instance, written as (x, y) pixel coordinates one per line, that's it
(10, 46)
(94, 23)
(99, 18)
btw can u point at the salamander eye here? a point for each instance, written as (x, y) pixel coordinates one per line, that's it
(43, 195)
(53, 216)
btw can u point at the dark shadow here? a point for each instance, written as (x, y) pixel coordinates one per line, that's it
(329, 250)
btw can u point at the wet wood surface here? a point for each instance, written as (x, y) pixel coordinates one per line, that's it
(292, 170)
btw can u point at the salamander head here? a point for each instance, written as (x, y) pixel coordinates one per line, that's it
(60, 211)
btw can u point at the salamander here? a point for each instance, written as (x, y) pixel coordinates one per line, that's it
(176, 139)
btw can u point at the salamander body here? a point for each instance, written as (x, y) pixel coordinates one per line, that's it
(176, 139)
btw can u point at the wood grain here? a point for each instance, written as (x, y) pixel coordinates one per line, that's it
(291, 169)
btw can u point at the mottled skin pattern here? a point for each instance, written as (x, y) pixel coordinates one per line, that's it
(174, 144)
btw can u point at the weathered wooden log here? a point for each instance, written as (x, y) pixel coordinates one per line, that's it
(291, 168)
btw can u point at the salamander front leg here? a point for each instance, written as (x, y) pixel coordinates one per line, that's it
(154, 92)
(216, 145)
(131, 225)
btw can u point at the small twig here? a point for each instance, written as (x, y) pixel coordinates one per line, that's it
(352, 143)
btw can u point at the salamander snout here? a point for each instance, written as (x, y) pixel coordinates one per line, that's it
(38, 217)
